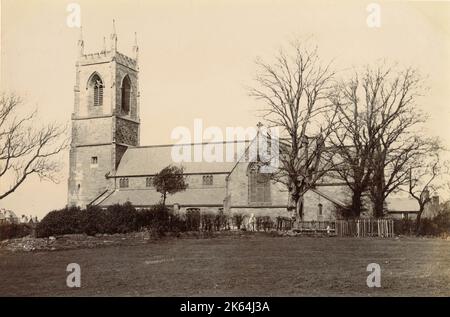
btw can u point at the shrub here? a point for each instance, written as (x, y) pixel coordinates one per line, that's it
(436, 226)
(13, 230)
(121, 219)
(238, 219)
(160, 219)
(176, 223)
(145, 218)
(442, 221)
(264, 223)
(404, 226)
(428, 227)
(221, 221)
(62, 221)
(193, 220)
(93, 220)
(208, 221)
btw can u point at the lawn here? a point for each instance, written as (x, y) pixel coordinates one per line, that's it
(249, 265)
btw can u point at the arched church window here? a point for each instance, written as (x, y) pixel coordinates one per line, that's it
(259, 185)
(126, 94)
(96, 86)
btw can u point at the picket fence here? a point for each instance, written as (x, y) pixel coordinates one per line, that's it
(383, 228)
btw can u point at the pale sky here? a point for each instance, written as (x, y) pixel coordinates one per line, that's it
(197, 58)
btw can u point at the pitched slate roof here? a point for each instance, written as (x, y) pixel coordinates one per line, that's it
(147, 197)
(149, 160)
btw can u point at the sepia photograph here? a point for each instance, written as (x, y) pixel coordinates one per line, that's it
(239, 151)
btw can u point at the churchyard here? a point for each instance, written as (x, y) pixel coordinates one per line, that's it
(247, 264)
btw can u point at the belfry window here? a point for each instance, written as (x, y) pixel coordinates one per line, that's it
(126, 94)
(96, 85)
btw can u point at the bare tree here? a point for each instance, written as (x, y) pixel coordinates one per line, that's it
(392, 97)
(354, 140)
(423, 175)
(25, 149)
(377, 136)
(294, 89)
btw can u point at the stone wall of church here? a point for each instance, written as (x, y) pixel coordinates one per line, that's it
(127, 132)
(316, 207)
(193, 181)
(121, 72)
(311, 211)
(92, 131)
(87, 180)
(238, 190)
(85, 106)
(312, 201)
(95, 128)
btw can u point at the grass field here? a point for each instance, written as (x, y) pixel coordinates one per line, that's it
(250, 265)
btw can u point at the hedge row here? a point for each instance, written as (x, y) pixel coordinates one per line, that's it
(13, 230)
(437, 226)
(125, 218)
(92, 220)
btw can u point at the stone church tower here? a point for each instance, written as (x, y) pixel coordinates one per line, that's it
(105, 121)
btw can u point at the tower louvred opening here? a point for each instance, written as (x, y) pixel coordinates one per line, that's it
(96, 84)
(126, 94)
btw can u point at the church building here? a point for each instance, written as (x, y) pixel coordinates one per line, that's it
(109, 166)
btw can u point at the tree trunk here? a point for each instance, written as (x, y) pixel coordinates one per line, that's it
(356, 203)
(296, 205)
(378, 191)
(378, 206)
(418, 220)
(164, 199)
(299, 208)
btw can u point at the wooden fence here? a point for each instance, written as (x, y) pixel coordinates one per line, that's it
(365, 228)
(348, 228)
(327, 227)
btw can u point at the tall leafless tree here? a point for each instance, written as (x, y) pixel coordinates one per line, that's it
(295, 92)
(393, 96)
(377, 137)
(353, 141)
(26, 149)
(424, 174)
